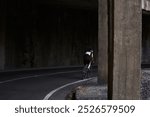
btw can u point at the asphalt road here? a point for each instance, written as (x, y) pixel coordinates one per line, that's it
(37, 87)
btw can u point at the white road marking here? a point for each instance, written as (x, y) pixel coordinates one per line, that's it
(34, 76)
(55, 90)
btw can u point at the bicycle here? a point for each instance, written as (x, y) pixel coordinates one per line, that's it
(86, 71)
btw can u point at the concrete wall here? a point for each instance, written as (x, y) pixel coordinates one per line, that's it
(40, 35)
(146, 5)
(2, 51)
(2, 33)
(43, 35)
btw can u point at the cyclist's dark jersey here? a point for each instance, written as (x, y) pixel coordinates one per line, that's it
(87, 58)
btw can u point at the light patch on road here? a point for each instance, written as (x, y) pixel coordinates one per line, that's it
(64, 86)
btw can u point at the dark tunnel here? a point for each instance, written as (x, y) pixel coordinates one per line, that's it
(146, 38)
(47, 33)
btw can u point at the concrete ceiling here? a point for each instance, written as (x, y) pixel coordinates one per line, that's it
(85, 4)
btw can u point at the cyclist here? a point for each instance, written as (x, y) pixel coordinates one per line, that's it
(88, 60)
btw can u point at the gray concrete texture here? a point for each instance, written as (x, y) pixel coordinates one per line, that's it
(146, 5)
(145, 85)
(127, 49)
(93, 91)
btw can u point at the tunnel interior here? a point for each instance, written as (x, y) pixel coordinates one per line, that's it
(48, 33)
(146, 38)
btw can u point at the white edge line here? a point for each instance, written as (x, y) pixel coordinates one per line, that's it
(36, 76)
(55, 90)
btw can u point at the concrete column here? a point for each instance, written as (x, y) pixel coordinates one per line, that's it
(2, 51)
(126, 49)
(146, 5)
(119, 51)
(102, 40)
(2, 34)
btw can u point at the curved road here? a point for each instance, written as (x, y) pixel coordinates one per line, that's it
(36, 88)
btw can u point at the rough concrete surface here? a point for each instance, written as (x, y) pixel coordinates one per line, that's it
(145, 85)
(93, 91)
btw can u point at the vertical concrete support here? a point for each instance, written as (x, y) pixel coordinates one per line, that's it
(102, 40)
(146, 5)
(119, 49)
(2, 34)
(2, 50)
(127, 49)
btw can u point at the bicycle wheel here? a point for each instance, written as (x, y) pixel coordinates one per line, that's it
(85, 72)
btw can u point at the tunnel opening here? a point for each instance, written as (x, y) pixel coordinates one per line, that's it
(48, 33)
(145, 39)
(53, 33)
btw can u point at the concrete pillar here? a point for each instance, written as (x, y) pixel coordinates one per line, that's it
(146, 5)
(2, 50)
(2, 34)
(127, 37)
(102, 40)
(119, 51)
